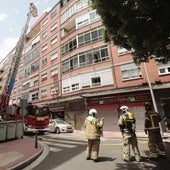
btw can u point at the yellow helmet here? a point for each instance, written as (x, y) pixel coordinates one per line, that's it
(131, 115)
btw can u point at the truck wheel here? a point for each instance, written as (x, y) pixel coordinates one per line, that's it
(57, 130)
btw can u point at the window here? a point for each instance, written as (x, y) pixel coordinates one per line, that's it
(31, 68)
(44, 34)
(35, 41)
(54, 54)
(44, 76)
(86, 19)
(54, 70)
(70, 84)
(54, 39)
(54, 90)
(75, 87)
(26, 96)
(164, 68)
(82, 4)
(90, 36)
(68, 13)
(44, 60)
(30, 57)
(34, 81)
(73, 63)
(122, 51)
(54, 25)
(53, 13)
(19, 87)
(26, 84)
(65, 66)
(86, 58)
(34, 96)
(130, 71)
(44, 46)
(66, 89)
(88, 80)
(43, 92)
(27, 48)
(96, 81)
(44, 22)
(63, 32)
(72, 44)
(64, 2)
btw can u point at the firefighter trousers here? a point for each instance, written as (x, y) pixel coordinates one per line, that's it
(130, 139)
(92, 149)
(155, 144)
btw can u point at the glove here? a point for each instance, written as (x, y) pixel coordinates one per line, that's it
(146, 132)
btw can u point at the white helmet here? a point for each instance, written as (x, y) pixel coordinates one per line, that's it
(92, 112)
(124, 109)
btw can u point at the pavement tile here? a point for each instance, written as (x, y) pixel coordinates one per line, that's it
(16, 151)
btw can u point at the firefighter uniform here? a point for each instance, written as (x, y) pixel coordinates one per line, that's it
(93, 132)
(155, 143)
(126, 123)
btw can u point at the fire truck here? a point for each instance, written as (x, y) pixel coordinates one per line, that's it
(35, 118)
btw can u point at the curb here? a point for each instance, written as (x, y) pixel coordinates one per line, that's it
(28, 161)
(42, 156)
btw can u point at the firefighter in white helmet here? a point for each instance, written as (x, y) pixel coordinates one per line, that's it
(127, 126)
(93, 132)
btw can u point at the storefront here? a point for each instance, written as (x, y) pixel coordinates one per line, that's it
(108, 107)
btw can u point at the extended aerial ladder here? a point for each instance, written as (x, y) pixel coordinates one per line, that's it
(9, 84)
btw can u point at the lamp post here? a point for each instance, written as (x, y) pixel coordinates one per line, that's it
(152, 95)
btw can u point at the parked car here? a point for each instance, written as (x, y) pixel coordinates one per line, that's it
(59, 126)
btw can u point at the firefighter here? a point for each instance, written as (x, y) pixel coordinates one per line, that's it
(93, 132)
(127, 126)
(155, 143)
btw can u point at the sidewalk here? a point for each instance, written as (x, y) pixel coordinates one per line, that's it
(15, 154)
(18, 153)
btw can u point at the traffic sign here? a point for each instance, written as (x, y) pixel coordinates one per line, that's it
(23, 111)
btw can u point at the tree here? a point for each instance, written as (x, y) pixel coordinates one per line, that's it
(141, 25)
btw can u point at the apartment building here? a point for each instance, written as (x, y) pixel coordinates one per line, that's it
(67, 65)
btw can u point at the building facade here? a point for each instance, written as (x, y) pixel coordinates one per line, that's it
(67, 65)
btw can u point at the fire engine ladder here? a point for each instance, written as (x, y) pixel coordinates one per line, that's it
(16, 58)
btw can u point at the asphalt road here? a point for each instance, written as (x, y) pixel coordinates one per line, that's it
(69, 154)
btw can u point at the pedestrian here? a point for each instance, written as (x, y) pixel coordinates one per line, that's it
(127, 124)
(93, 132)
(152, 129)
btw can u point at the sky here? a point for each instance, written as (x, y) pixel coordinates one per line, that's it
(13, 15)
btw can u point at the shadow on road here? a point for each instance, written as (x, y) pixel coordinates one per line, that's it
(106, 159)
(145, 163)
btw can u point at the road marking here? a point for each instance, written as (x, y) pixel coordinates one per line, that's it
(62, 141)
(85, 142)
(60, 145)
(52, 149)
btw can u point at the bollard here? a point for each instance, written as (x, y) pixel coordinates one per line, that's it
(36, 139)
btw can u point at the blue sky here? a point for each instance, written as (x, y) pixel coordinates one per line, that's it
(13, 15)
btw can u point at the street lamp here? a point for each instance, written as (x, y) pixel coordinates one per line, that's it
(152, 95)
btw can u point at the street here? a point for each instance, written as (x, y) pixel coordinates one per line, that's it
(69, 154)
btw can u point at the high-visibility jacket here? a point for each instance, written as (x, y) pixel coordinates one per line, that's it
(93, 128)
(152, 120)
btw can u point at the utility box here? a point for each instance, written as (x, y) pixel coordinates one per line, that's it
(11, 130)
(3, 131)
(19, 129)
